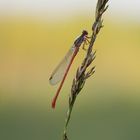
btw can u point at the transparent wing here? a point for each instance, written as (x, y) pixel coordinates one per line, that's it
(59, 71)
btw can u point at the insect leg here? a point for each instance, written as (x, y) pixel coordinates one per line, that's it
(86, 42)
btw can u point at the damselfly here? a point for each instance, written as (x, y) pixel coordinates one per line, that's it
(61, 71)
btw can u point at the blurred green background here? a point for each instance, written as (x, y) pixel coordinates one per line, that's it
(34, 37)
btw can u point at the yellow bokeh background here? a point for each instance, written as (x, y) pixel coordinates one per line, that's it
(107, 107)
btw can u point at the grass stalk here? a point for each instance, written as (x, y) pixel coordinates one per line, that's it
(82, 73)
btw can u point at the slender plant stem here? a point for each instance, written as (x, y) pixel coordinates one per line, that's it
(82, 74)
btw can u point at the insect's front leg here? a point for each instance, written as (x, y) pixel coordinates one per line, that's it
(86, 42)
(88, 37)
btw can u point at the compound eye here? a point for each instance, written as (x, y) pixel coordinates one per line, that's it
(85, 32)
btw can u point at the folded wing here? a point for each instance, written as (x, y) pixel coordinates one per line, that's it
(59, 71)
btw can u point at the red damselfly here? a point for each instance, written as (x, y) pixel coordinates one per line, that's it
(61, 71)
